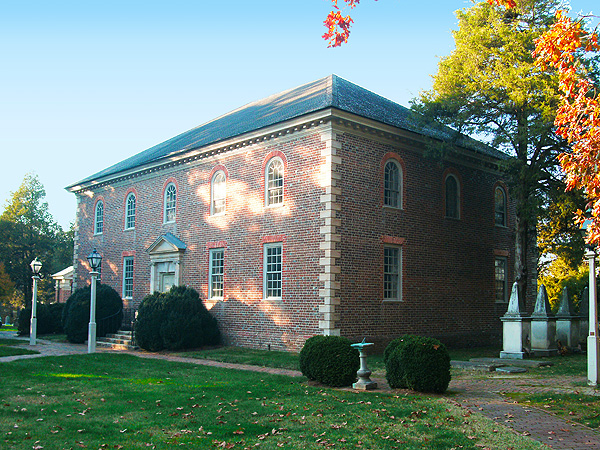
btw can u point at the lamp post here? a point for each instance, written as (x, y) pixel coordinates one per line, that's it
(36, 266)
(593, 348)
(95, 260)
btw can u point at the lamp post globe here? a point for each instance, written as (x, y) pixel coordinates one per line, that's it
(95, 260)
(36, 267)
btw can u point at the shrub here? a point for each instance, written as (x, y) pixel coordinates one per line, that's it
(330, 360)
(55, 311)
(44, 320)
(76, 313)
(418, 363)
(175, 320)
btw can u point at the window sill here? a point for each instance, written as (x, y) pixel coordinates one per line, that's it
(452, 218)
(393, 208)
(278, 205)
(393, 300)
(501, 226)
(129, 229)
(98, 234)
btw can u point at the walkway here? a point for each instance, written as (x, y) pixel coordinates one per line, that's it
(479, 396)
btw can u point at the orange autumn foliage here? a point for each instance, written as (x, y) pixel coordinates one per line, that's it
(578, 116)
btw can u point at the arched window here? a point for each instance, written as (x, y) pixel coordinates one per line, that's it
(170, 202)
(392, 185)
(500, 207)
(452, 197)
(274, 182)
(130, 211)
(99, 218)
(218, 192)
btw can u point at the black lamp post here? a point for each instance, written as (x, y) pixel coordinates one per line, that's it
(36, 266)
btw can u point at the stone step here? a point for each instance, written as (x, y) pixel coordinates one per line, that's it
(121, 340)
(115, 346)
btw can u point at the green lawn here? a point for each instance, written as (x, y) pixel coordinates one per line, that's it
(103, 401)
(264, 358)
(13, 347)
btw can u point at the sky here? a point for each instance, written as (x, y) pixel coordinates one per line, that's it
(86, 84)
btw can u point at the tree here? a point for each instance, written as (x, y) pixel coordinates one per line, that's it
(572, 52)
(28, 230)
(558, 236)
(570, 49)
(7, 288)
(490, 86)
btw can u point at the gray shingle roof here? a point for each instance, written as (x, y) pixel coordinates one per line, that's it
(331, 91)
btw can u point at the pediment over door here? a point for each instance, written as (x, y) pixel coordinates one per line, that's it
(165, 262)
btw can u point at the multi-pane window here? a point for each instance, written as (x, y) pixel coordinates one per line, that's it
(392, 276)
(99, 218)
(130, 211)
(501, 280)
(500, 207)
(452, 197)
(170, 202)
(128, 277)
(217, 269)
(218, 193)
(392, 189)
(274, 184)
(273, 270)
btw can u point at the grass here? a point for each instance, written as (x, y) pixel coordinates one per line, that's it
(104, 401)
(7, 349)
(584, 409)
(264, 358)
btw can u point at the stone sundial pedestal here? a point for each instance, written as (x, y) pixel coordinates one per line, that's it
(364, 382)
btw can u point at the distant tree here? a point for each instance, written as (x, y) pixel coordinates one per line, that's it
(27, 231)
(558, 235)
(490, 86)
(7, 288)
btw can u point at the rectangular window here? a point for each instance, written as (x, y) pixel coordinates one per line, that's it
(392, 275)
(501, 280)
(128, 277)
(273, 254)
(217, 270)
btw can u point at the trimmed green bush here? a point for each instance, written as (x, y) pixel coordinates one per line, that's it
(175, 320)
(418, 363)
(329, 360)
(44, 320)
(55, 311)
(76, 313)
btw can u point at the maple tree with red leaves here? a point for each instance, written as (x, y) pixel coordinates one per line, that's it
(578, 116)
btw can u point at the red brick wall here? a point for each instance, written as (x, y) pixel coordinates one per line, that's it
(447, 264)
(244, 318)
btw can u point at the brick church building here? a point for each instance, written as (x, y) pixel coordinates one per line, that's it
(314, 211)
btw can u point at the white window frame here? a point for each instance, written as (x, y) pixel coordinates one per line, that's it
(99, 217)
(218, 194)
(170, 204)
(128, 276)
(504, 207)
(392, 195)
(457, 203)
(273, 278)
(216, 274)
(393, 276)
(130, 211)
(274, 193)
(497, 280)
